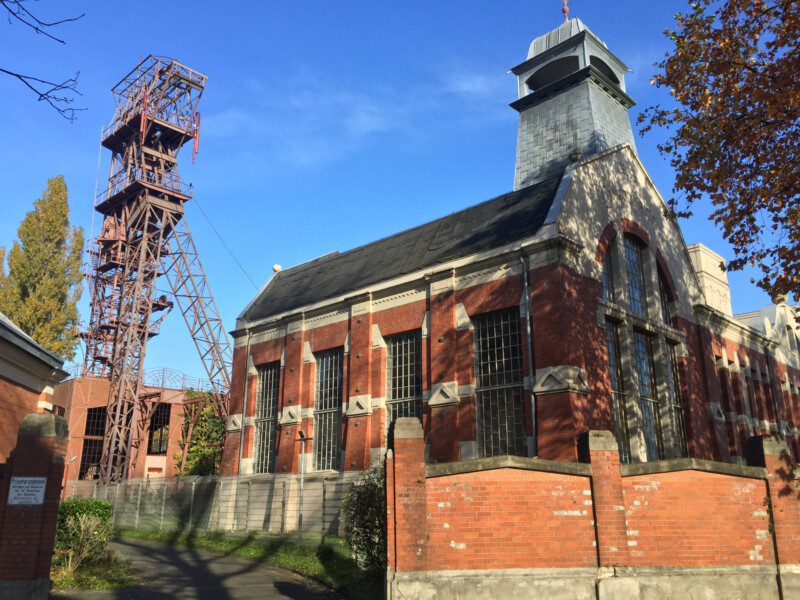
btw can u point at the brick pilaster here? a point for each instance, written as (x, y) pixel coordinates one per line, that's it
(28, 531)
(600, 447)
(408, 523)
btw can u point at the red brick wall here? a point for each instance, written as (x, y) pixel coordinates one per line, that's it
(696, 518)
(478, 520)
(17, 401)
(496, 516)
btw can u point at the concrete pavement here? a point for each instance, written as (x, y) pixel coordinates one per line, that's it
(178, 573)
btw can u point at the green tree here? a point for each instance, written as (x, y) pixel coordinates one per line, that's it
(735, 126)
(203, 436)
(40, 293)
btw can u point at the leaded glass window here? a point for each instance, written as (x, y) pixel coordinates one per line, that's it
(499, 384)
(666, 317)
(328, 409)
(608, 274)
(617, 392)
(404, 375)
(648, 395)
(676, 402)
(266, 417)
(634, 261)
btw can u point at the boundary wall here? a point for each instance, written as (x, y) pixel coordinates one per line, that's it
(521, 527)
(269, 504)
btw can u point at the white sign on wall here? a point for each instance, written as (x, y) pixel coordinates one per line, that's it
(27, 490)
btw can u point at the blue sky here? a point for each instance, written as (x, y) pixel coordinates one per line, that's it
(325, 125)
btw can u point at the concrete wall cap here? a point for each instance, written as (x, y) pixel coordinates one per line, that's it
(602, 441)
(508, 462)
(692, 464)
(408, 428)
(44, 426)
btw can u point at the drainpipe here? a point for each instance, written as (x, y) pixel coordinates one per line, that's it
(531, 374)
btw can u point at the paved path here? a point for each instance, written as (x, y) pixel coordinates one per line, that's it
(174, 572)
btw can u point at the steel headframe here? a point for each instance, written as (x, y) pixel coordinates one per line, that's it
(144, 236)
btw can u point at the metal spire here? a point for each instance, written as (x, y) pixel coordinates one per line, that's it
(565, 10)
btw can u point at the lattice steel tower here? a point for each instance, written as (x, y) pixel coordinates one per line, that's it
(144, 236)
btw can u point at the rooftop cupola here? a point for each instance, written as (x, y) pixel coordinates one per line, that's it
(572, 102)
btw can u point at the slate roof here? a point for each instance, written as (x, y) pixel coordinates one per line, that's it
(491, 224)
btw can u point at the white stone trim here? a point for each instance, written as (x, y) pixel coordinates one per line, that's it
(444, 394)
(290, 415)
(328, 318)
(561, 378)
(400, 299)
(466, 390)
(377, 340)
(358, 406)
(463, 322)
(234, 423)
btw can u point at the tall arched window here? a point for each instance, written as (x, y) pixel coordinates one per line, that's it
(643, 354)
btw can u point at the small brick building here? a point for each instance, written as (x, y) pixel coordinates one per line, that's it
(28, 374)
(514, 326)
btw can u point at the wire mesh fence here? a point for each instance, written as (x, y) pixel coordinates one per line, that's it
(266, 504)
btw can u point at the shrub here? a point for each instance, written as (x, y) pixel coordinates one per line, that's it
(88, 537)
(83, 528)
(364, 515)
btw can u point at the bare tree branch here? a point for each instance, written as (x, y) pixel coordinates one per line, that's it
(57, 95)
(19, 12)
(51, 92)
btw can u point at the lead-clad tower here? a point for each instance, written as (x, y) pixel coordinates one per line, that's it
(145, 235)
(572, 102)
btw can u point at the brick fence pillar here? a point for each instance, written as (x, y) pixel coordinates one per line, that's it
(29, 495)
(772, 452)
(406, 498)
(609, 504)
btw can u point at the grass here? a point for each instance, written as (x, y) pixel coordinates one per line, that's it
(328, 559)
(112, 574)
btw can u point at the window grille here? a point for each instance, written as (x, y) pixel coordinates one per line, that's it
(404, 375)
(327, 409)
(608, 275)
(634, 261)
(96, 422)
(499, 384)
(617, 392)
(266, 421)
(676, 403)
(648, 396)
(159, 430)
(92, 450)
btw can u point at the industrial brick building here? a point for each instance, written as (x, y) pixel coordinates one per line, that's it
(157, 436)
(515, 326)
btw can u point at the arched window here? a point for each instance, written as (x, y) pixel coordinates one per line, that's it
(643, 353)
